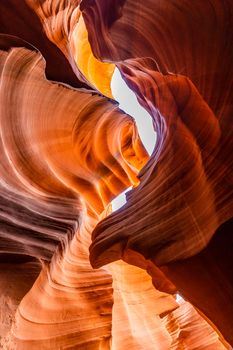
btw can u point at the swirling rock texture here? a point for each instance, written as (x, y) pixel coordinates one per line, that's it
(73, 274)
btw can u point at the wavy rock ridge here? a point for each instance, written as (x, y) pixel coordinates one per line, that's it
(67, 151)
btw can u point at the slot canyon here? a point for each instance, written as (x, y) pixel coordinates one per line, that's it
(116, 227)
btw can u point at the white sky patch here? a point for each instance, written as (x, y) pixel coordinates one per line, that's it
(129, 104)
(179, 298)
(120, 200)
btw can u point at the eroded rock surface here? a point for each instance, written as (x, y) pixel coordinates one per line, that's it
(67, 150)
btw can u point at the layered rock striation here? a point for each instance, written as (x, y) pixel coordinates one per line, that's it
(86, 278)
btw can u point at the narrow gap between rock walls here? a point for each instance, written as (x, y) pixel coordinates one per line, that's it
(129, 104)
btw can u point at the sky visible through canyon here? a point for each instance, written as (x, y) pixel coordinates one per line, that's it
(130, 105)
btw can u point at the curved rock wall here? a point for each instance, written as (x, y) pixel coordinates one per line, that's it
(67, 150)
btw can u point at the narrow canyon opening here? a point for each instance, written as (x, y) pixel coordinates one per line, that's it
(129, 104)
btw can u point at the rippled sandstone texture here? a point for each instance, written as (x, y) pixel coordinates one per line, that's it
(67, 151)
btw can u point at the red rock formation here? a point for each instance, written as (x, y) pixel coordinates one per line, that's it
(192, 126)
(63, 24)
(67, 152)
(181, 188)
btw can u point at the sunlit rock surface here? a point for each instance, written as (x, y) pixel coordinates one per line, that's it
(179, 65)
(73, 275)
(63, 23)
(190, 101)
